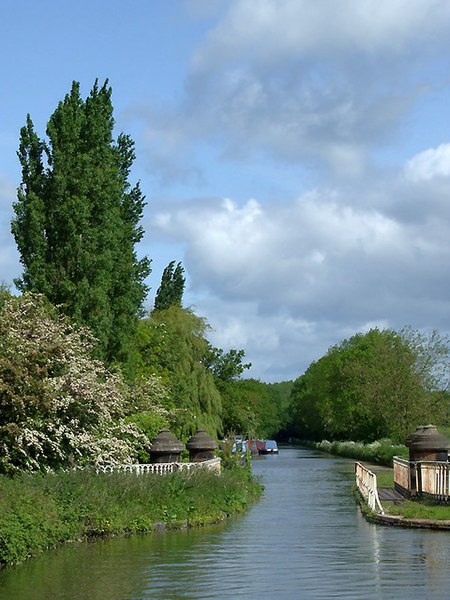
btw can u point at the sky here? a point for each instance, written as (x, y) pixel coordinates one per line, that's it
(294, 154)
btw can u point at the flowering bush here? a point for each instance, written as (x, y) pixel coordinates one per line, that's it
(58, 406)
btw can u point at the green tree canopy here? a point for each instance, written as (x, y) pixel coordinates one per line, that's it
(374, 385)
(225, 366)
(77, 219)
(170, 292)
(251, 407)
(172, 345)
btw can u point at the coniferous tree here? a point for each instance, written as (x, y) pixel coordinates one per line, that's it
(170, 292)
(77, 219)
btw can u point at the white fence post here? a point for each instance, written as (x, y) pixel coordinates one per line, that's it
(366, 482)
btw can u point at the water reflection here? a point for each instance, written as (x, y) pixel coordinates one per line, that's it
(304, 539)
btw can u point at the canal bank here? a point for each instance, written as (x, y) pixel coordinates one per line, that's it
(41, 511)
(398, 520)
(385, 506)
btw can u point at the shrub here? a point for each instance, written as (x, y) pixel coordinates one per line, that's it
(380, 452)
(58, 406)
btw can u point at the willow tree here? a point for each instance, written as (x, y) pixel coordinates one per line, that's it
(77, 219)
(172, 345)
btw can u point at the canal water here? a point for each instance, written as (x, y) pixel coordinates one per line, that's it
(305, 539)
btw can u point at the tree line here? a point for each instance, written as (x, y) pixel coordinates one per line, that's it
(86, 375)
(381, 384)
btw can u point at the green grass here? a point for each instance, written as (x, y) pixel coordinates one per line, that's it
(419, 509)
(385, 478)
(410, 509)
(42, 510)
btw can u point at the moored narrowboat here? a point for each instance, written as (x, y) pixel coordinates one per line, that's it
(267, 447)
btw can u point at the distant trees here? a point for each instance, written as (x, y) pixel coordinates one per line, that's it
(77, 219)
(251, 407)
(373, 385)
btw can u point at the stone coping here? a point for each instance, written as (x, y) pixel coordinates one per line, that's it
(398, 520)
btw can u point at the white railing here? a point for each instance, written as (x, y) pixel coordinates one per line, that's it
(161, 468)
(366, 482)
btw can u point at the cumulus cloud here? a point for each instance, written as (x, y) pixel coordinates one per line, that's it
(429, 164)
(285, 280)
(274, 30)
(303, 81)
(287, 254)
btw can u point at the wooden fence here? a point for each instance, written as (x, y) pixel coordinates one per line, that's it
(425, 477)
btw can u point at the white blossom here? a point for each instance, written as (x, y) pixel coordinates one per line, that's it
(60, 407)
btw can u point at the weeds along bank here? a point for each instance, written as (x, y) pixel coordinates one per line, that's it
(39, 511)
(380, 452)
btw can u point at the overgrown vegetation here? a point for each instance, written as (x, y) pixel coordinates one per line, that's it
(58, 406)
(380, 452)
(42, 510)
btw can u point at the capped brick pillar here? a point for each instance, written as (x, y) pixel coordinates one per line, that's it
(426, 443)
(201, 446)
(165, 448)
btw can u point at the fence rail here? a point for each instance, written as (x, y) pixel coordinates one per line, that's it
(434, 479)
(161, 468)
(423, 477)
(366, 482)
(402, 473)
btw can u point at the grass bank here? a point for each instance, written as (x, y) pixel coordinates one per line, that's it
(39, 511)
(419, 509)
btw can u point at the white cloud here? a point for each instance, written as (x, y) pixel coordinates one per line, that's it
(285, 280)
(302, 80)
(429, 164)
(270, 31)
(283, 252)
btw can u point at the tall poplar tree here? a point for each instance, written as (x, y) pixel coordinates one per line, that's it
(77, 219)
(170, 292)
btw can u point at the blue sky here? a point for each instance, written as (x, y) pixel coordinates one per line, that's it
(295, 154)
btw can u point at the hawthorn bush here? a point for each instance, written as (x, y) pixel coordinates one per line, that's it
(58, 406)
